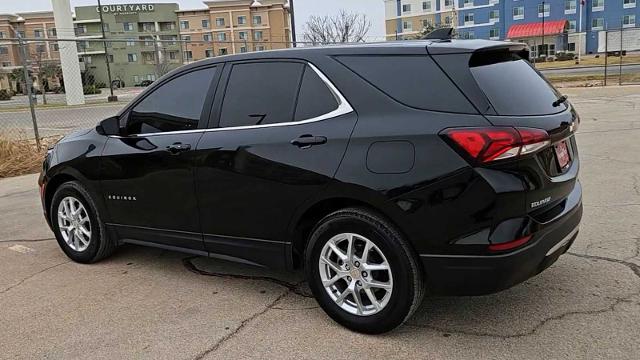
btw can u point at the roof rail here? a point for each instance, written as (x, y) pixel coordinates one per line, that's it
(445, 33)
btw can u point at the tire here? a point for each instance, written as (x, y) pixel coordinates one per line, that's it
(98, 246)
(404, 275)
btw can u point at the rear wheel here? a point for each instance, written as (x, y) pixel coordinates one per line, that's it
(76, 224)
(362, 272)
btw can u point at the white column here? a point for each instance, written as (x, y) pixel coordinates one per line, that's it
(68, 52)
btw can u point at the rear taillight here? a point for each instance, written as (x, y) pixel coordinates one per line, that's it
(510, 245)
(484, 145)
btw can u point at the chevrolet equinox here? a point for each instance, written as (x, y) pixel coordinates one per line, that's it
(383, 170)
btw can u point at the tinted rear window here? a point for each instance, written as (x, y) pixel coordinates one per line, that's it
(413, 80)
(512, 86)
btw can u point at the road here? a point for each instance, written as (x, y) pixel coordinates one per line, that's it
(611, 68)
(55, 121)
(152, 304)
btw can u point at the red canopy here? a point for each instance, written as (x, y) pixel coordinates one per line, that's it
(535, 29)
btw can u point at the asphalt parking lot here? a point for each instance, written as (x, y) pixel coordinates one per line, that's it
(151, 304)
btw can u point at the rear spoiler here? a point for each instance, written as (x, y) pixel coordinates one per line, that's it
(439, 47)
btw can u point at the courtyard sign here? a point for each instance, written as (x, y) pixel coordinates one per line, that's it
(126, 9)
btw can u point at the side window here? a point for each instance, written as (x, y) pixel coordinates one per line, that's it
(315, 98)
(175, 105)
(415, 81)
(261, 93)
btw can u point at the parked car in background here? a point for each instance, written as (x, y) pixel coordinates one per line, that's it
(145, 83)
(383, 170)
(117, 84)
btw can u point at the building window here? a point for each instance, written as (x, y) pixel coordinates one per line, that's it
(570, 6)
(407, 25)
(41, 48)
(467, 3)
(257, 36)
(447, 20)
(219, 22)
(4, 50)
(184, 24)
(257, 20)
(81, 29)
(629, 20)
(205, 24)
(105, 27)
(208, 53)
(406, 8)
(468, 19)
(426, 24)
(173, 55)
(6, 64)
(597, 24)
(53, 32)
(448, 4)
(222, 51)
(131, 42)
(494, 34)
(148, 27)
(1, 35)
(22, 34)
(544, 10)
(110, 58)
(38, 33)
(222, 36)
(518, 13)
(148, 41)
(426, 5)
(186, 38)
(188, 55)
(628, 4)
(54, 47)
(597, 5)
(132, 57)
(260, 48)
(571, 47)
(494, 15)
(88, 60)
(468, 35)
(206, 37)
(242, 20)
(127, 26)
(166, 26)
(572, 26)
(243, 49)
(243, 35)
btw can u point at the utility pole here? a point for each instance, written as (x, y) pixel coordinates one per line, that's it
(620, 72)
(293, 24)
(581, 3)
(27, 83)
(106, 54)
(543, 49)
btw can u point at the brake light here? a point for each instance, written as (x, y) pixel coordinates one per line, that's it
(510, 245)
(497, 143)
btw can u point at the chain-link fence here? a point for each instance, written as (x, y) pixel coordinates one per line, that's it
(64, 101)
(79, 98)
(610, 56)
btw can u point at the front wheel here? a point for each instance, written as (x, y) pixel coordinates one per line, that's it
(77, 226)
(362, 272)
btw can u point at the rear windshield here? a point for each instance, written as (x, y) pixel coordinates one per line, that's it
(512, 85)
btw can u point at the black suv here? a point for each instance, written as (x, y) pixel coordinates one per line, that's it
(384, 170)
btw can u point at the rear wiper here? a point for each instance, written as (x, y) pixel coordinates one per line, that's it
(560, 100)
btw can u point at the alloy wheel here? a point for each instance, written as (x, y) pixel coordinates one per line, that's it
(356, 274)
(74, 223)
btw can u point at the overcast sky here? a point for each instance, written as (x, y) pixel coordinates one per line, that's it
(304, 8)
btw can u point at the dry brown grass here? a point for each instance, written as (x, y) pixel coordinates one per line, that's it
(19, 157)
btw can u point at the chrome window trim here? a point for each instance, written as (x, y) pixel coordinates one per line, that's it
(343, 108)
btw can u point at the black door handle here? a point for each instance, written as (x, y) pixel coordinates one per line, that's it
(177, 148)
(306, 141)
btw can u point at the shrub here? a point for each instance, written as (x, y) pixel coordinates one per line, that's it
(5, 95)
(91, 90)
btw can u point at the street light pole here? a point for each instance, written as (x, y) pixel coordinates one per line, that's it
(543, 49)
(106, 54)
(293, 23)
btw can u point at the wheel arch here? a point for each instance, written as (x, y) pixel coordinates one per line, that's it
(307, 220)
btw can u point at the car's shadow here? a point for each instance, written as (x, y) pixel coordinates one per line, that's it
(571, 287)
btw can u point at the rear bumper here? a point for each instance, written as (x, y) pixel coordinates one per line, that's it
(484, 274)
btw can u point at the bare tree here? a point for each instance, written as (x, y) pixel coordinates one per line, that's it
(45, 70)
(341, 28)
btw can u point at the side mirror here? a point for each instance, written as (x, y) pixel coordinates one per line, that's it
(109, 126)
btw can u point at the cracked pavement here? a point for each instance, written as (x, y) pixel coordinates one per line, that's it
(151, 304)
